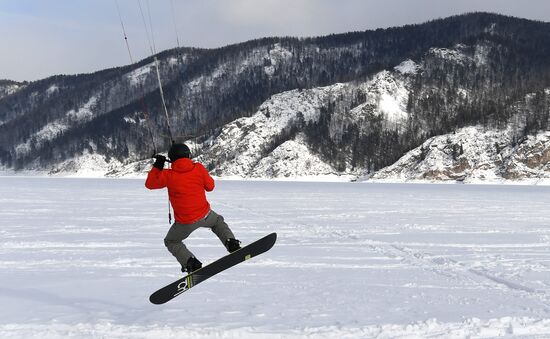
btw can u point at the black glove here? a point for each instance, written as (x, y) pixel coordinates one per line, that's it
(159, 161)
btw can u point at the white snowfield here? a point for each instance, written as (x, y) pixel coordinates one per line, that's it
(80, 257)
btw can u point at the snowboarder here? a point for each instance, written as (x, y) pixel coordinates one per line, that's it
(187, 182)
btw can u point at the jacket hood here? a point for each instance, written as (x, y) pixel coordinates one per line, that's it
(183, 165)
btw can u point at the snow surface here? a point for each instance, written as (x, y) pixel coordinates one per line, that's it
(79, 258)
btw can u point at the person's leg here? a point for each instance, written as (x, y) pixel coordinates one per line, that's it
(175, 236)
(220, 228)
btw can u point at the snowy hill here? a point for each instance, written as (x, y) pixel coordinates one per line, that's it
(276, 141)
(342, 106)
(473, 154)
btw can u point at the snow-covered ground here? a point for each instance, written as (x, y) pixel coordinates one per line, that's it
(79, 258)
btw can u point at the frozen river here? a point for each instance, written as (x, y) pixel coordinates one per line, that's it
(81, 257)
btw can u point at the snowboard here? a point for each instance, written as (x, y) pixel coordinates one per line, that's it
(179, 286)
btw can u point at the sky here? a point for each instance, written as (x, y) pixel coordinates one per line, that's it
(40, 38)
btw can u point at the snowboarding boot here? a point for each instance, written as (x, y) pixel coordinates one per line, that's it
(232, 245)
(192, 265)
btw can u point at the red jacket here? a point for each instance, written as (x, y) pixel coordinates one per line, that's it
(186, 182)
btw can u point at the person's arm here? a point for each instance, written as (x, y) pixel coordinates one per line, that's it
(208, 181)
(156, 178)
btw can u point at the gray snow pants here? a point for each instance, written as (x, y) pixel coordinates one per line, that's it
(179, 232)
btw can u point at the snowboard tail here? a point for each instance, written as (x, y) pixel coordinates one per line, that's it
(179, 286)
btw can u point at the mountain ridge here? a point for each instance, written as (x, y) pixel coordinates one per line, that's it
(479, 72)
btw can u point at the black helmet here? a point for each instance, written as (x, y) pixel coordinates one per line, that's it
(178, 151)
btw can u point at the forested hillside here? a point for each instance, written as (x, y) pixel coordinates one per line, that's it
(354, 102)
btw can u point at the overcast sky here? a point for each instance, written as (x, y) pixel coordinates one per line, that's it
(40, 38)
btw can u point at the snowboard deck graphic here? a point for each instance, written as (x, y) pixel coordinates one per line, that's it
(179, 286)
